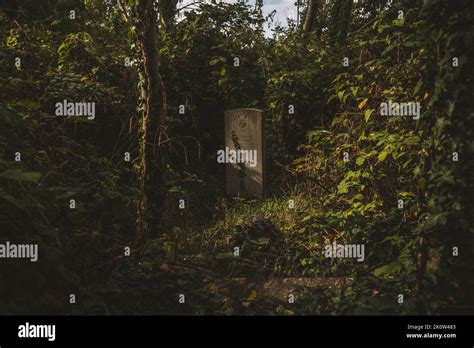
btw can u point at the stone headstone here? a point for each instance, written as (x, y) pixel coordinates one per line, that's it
(244, 138)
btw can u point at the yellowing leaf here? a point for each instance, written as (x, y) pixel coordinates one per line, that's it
(248, 301)
(252, 296)
(362, 103)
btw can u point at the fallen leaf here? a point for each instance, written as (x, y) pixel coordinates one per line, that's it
(252, 296)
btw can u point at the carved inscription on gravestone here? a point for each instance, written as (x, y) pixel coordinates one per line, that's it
(244, 153)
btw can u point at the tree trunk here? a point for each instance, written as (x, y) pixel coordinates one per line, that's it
(335, 19)
(340, 20)
(152, 179)
(311, 15)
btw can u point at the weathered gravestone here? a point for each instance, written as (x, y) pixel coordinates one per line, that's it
(244, 153)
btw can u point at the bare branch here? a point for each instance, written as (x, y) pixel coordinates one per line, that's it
(188, 5)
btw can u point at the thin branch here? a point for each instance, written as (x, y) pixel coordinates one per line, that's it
(121, 6)
(21, 29)
(188, 5)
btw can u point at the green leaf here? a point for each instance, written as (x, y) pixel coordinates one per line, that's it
(360, 161)
(368, 113)
(28, 104)
(409, 44)
(175, 189)
(168, 248)
(389, 48)
(333, 96)
(262, 241)
(390, 269)
(381, 157)
(61, 47)
(362, 103)
(19, 175)
(10, 199)
(223, 71)
(340, 95)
